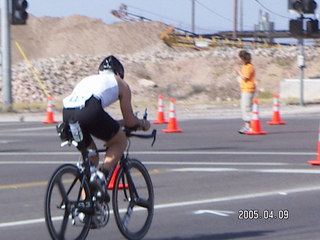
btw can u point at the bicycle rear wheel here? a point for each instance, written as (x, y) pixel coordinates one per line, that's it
(133, 200)
(67, 204)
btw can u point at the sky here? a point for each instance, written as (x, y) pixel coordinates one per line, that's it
(211, 16)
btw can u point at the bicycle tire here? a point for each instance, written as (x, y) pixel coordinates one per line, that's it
(133, 200)
(63, 192)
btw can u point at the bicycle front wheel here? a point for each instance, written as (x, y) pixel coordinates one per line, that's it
(67, 204)
(133, 200)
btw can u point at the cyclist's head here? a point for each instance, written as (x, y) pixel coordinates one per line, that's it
(112, 63)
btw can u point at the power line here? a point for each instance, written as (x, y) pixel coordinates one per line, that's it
(152, 13)
(177, 22)
(215, 13)
(270, 11)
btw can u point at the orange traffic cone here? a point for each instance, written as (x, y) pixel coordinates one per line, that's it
(317, 161)
(255, 121)
(160, 113)
(113, 179)
(276, 119)
(50, 118)
(172, 124)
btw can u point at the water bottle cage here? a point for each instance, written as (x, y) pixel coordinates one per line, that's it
(65, 135)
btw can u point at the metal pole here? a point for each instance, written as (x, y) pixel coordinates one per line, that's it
(301, 45)
(193, 16)
(6, 56)
(241, 15)
(235, 20)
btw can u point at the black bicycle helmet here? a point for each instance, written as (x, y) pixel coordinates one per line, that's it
(111, 62)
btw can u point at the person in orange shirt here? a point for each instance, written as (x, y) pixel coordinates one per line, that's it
(248, 87)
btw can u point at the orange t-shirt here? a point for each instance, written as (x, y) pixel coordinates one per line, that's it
(248, 71)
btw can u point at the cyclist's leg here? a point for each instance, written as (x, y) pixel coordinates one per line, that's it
(94, 158)
(81, 116)
(103, 126)
(96, 121)
(116, 146)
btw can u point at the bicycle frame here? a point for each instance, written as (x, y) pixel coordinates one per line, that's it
(114, 171)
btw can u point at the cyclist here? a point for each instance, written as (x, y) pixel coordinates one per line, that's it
(86, 105)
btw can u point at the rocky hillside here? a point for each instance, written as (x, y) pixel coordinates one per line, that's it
(63, 50)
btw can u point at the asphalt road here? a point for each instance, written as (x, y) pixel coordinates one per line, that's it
(209, 181)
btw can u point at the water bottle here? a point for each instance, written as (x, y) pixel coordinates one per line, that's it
(76, 131)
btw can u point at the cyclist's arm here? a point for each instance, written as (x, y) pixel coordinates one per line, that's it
(129, 119)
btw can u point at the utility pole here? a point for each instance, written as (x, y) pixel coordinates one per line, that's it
(235, 19)
(193, 16)
(301, 66)
(6, 56)
(241, 15)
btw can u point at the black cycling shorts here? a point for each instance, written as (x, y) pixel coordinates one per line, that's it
(93, 121)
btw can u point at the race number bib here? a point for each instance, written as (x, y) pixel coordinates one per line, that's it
(73, 101)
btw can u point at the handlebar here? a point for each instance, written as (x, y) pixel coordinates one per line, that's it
(128, 130)
(153, 135)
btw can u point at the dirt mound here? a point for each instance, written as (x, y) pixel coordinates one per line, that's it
(50, 37)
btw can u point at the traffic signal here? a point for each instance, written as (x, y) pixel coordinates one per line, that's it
(312, 26)
(309, 6)
(18, 12)
(296, 27)
(302, 6)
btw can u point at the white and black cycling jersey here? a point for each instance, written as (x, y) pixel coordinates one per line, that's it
(102, 86)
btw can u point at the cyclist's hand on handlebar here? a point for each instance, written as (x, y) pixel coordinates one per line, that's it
(141, 124)
(145, 124)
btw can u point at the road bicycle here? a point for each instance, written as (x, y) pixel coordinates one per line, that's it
(74, 204)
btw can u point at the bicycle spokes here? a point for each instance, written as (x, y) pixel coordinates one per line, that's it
(67, 216)
(134, 198)
(133, 206)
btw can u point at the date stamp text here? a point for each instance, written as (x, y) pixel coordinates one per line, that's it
(255, 214)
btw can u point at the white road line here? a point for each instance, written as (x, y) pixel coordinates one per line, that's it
(19, 223)
(170, 153)
(237, 197)
(29, 129)
(41, 162)
(218, 163)
(204, 170)
(38, 153)
(9, 141)
(191, 203)
(27, 134)
(221, 213)
(222, 153)
(309, 171)
(296, 171)
(26, 222)
(13, 162)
